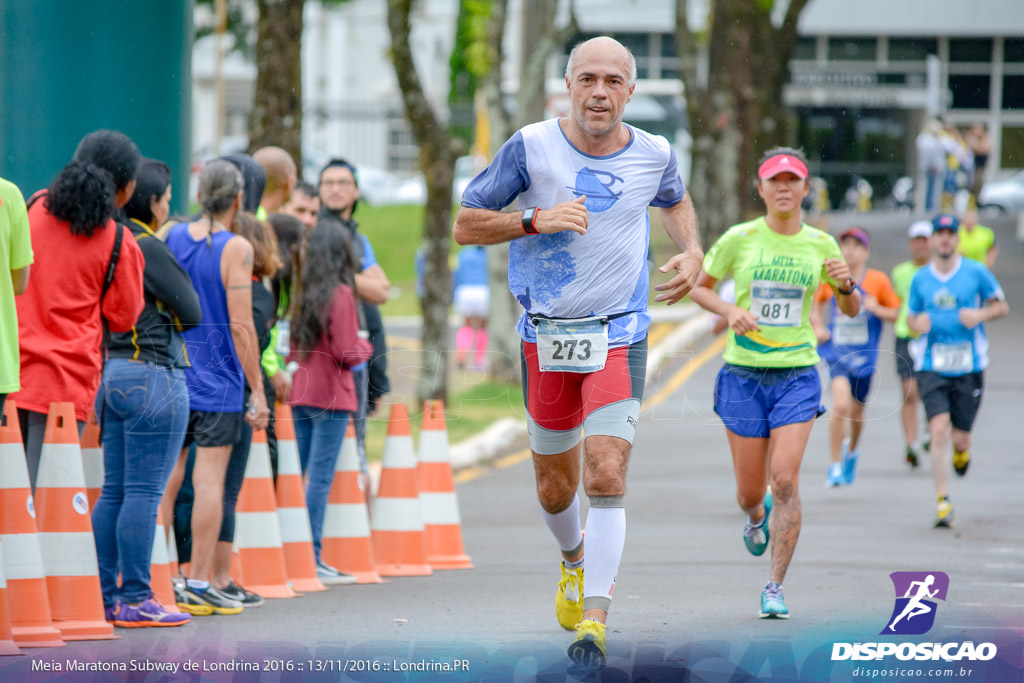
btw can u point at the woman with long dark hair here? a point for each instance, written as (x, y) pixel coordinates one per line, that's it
(87, 272)
(142, 436)
(326, 343)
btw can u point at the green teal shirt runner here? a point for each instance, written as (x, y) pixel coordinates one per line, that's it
(902, 275)
(15, 254)
(776, 277)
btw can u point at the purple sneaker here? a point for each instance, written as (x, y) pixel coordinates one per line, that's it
(109, 613)
(149, 613)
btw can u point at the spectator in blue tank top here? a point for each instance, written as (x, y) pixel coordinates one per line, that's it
(223, 354)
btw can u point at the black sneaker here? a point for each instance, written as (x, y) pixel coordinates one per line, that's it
(236, 592)
(202, 602)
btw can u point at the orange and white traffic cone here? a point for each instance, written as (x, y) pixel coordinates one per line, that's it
(27, 598)
(92, 460)
(437, 493)
(65, 532)
(399, 537)
(296, 534)
(7, 644)
(160, 568)
(345, 543)
(257, 533)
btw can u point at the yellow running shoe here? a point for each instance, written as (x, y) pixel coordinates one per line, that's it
(944, 514)
(961, 460)
(569, 598)
(589, 652)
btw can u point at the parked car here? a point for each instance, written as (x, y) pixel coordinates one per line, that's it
(1003, 196)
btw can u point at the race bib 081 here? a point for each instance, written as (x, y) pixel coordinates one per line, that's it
(775, 304)
(572, 345)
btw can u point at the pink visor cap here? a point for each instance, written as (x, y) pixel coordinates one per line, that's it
(782, 163)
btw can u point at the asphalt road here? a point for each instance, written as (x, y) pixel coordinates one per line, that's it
(687, 591)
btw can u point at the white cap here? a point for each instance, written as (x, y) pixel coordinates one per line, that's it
(920, 229)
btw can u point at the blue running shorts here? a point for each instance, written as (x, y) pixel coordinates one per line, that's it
(754, 401)
(860, 384)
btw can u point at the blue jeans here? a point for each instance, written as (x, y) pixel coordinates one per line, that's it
(143, 411)
(318, 434)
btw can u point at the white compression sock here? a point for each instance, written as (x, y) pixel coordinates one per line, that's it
(565, 525)
(606, 536)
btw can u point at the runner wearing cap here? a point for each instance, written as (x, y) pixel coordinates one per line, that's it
(849, 345)
(902, 274)
(768, 392)
(950, 300)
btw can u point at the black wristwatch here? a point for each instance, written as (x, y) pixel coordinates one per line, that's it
(851, 290)
(529, 220)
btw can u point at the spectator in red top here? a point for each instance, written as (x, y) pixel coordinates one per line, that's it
(60, 314)
(326, 343)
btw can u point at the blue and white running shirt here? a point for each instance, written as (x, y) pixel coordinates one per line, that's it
(950, 348)
(565, 274)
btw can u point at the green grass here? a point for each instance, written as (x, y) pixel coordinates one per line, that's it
(471, 409)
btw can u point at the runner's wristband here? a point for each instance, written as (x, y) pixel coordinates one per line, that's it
(530, 220)
(848, 292)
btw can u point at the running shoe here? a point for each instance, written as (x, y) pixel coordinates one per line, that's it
(569, 598)
(944, 514)
(236, 592)
(149, 613)
(773, 605)
(201, 602)
(589, 651)
(849, 462)
(109, 613)
(912, 456)
(329, 576)
(961, 461)
(755, 536)
(835, 475)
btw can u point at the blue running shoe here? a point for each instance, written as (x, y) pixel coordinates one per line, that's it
(755, 536)
(849, 463)
(835, 475)
(773, 605)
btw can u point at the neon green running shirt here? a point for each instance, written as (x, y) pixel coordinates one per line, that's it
(902, 275)
(776, 277)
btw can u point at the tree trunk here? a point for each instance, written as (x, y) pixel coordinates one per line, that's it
(276, 117)
(438, 152)
(735, 110)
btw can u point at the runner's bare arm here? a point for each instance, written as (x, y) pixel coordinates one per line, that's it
(839, 271)
(919, 322)
(19, 278)
(482, 226)
(817, 319)
(972, 317)
(886, 313)
(238, 258)
(680, 223)
(703, 295)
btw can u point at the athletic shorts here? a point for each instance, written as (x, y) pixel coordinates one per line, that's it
(210, 430)
(473, 301)
(904, 361)
(959, 396)
(754, 401)
(604, 403)
(860, 385)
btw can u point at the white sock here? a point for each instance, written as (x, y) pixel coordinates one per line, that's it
(565, 525)
(606, 536)
(196, 583)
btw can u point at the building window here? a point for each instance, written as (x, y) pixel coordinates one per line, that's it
(970, 50)
(805, 48)
(403, 152)
(1013, 50)
(970, 92)
(912, 49)
(1013, 92)
(669, 56)
(852, 49)
(1013, 147)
